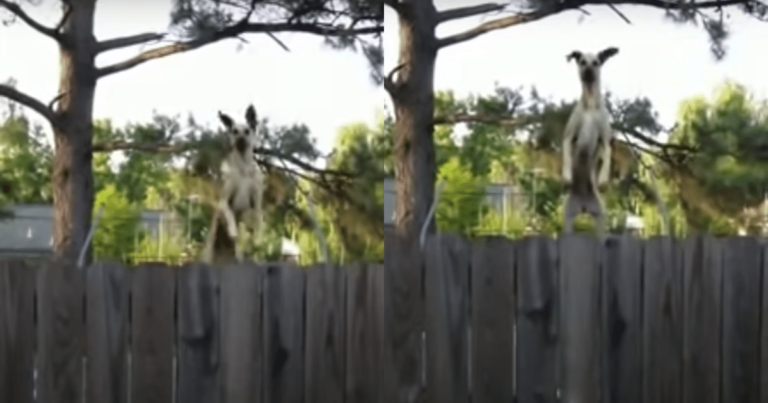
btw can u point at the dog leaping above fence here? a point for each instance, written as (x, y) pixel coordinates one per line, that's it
(242, 183)
(587, 143)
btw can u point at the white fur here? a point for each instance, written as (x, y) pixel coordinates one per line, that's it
(587, 140)
(242, 178)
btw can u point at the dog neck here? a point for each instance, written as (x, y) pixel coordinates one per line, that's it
(590, 95)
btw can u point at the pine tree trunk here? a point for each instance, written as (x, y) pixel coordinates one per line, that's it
(413, 98)
(72, 167)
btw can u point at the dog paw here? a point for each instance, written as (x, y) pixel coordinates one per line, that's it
(232, 230)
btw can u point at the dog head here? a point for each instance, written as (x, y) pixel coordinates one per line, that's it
(242, 137)
(589, 64)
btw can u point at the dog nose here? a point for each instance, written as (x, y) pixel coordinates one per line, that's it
(240, 144)
(589, 75)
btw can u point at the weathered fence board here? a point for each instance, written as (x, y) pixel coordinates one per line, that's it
(702, 271)
(197, 332)
(536, 352)
(580, 318)
(764, 326)
(741, 320)
(17, 299)
(153, 290)
(447, 263)
(325, 343)
(242, 359)
(106, 333)
(662, 322)
(493, 312)
(365, 334)
(60, 333)
(283, 334)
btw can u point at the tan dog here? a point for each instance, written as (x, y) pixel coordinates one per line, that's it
(243, 180)
(587, 143)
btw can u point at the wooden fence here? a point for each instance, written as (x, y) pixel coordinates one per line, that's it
(523, 321)
(159, 334)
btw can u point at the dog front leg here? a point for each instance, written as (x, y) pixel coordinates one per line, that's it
(605, 167)
(569, 135)
(229, 216)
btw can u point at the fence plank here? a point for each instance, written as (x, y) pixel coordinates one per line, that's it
(17, 329)
(493, 307)
(536, 321)
(197, 333)
(447, 261)
(622, 272)
(404, 313)
(365, 334)
(106, 334)
(60, 333)
(662, 321)
(325, 330)
(283, 334)
(242, 359)
(764, 327)
(741, 320)
(153, 292)
(580, 318)
(702, 282)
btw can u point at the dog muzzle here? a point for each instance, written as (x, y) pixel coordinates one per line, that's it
(240, 144)
(588, 76)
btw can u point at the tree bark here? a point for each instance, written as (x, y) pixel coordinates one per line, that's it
(413, 98)
(72, 167)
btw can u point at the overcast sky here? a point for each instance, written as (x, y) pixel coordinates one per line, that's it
(323, 88)
(658, 59)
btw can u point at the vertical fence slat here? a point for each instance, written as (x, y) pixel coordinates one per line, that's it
(60, 333)
(702, 284)
(404, 313)
(17, 329)
(197, 335)
(106, 327)
(152, 333)
(764, 326)
(493, 312)
(622, 272)
(284, 334)
(242, 359)
(741, 320)
(662, 323)
(447, 303)
(536, 341)
(580, 318)
(325, 331)
(365, 337)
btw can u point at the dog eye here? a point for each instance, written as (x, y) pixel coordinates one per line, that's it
(582, 62)
(595, 63)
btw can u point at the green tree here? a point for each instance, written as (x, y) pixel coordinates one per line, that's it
(118, 231)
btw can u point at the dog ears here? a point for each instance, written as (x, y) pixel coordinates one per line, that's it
(607, 54)
(226, 120)
(250, 117)
(573, 55)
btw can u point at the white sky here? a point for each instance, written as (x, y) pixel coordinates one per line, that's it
(658, 59)
(313, 84)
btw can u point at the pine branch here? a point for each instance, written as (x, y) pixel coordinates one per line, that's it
(123, 42)
(30, 102)
(16, 10)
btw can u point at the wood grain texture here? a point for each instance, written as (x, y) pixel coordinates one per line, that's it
(447, 306)
(580, 318)
(17, 329)
(365, 334)
(153, 293)
(106, 333)
(764, 327)
(60, 333)
(404, 316)
(702, 297)
(197, 332)
(662, 321)
(325, 343)
(284, 334)
(493, 312)
(536, 352)
(242, 357)
(623, 307)
(741, 320)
